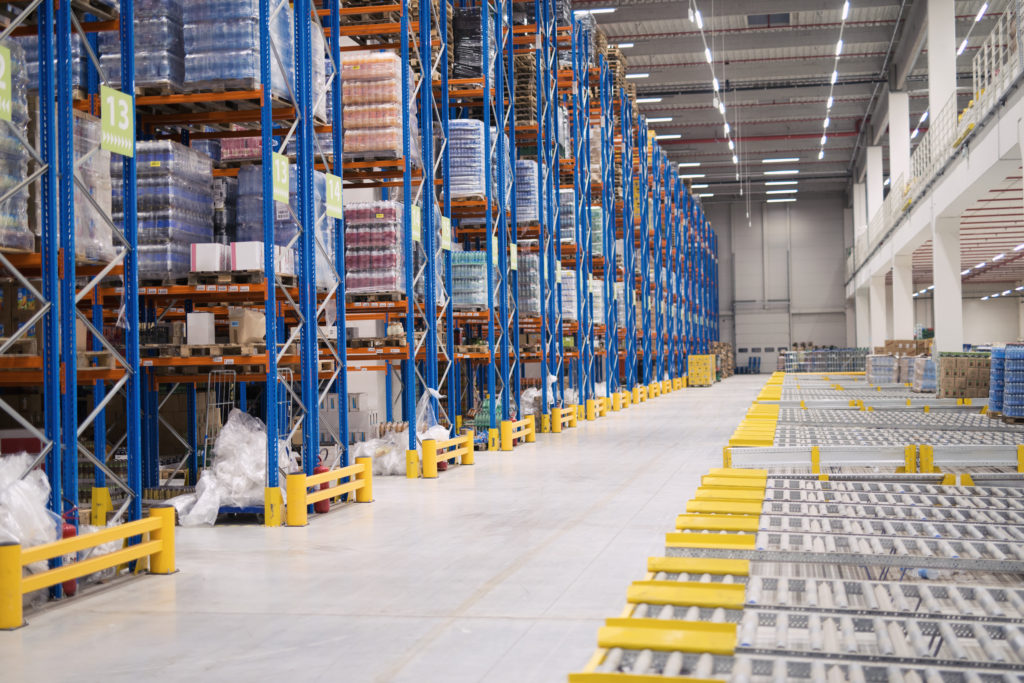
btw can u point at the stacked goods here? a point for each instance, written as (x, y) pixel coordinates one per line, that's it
(529, 285)
(569, 311)
(469, 279)
(469, 56)
(725, 361)
(996, 381)
(79, 61)
(1013, 381)
(881, 369)
(372, 99)
(14, 228)
(250, 205)
(526, 88)
(924, 378)
(374, 253)
(567, 215)
(94, 240)
(965, 375)
(175, 205)
(527, 206)
(159, 46)
(466, 142)
(222, 45)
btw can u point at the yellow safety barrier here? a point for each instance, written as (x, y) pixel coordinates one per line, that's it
(299, 495)
(159, 548)
(517, 429)
(435, 451)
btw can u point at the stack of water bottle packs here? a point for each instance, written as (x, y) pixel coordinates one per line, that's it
(925, 378)
(997, 380)
(526, 191)
(159, 46)
(529, 285)
(466, 142)
(14, 157)
(1013, 381)
(372, 99)
(374, 252)
(469, 279)
(175, 205)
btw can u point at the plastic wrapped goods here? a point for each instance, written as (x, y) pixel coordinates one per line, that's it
(526, 191)
(469, 279)
(466, 142)
(222, 43)
(374, 251)
(529, 285)
(159, 47)
(250, 205)
(14, 157)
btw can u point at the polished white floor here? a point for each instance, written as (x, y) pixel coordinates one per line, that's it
(499, 572)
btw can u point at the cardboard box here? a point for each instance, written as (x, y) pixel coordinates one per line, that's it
(209, 258)
(199, 329)
(246, 326)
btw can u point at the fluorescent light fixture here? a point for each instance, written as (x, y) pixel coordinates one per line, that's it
(963, 46)
(835, 76)
(732, 145)
(706, 194)
(888, 181)
(668, 136)
(824, 139)
(660, 119)
(648, 100)
(699, 18)
(780, 160)
(707, 54)
(998, 257)
(981, 12)
(913, 133)
(825, 123)
(781, 182)
(781, 200)
(1019, 247)
(694, 164)
(735, 159)
(964, 272)
(699, 186)
(790, 171)
(684, 176)
(981, 265)
(599, 10)
(839, 47)
(924, 117)
(789, 191)
(714, 83)
(846, 9)
(640, 75)
(623, 46)
(821, 154)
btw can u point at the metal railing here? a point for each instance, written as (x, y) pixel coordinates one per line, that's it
(997, 65)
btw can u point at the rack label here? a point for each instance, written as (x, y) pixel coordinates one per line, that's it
(5, 83)
(513, 256)
(334, 208)
(446, 233)
(417, 220)
(117, 122)
(280, 176)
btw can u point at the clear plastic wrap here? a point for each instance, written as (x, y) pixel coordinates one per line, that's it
(374, 247)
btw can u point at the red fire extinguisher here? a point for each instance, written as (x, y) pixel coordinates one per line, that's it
(69, 530)
(322, 506)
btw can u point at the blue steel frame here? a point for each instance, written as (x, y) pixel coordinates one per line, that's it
(628, 238)
(608, 227)
(644, 177)
(582, 193)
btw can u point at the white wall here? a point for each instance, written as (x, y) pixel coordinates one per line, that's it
(781, 276)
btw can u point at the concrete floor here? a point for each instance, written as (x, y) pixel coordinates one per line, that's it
(498, 572)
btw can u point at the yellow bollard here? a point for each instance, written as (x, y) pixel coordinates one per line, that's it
(412, 465)
(273, 506)
(429, 459)
(295, 513)
(10, 587)
(163, 562)
(468, 456)
(506, 435)
(591, 410)
(545, 424)
(365, 494)
(556, 420)
(616, 402)
(531, 434)
(102, 505)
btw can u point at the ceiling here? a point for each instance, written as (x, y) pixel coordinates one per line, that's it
(775, 77)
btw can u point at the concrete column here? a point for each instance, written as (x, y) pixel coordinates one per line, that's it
(874, 181)
(941, 55)
(948, 300)
(878, 306)
(861, 309)
(899, 139)
(902, 297)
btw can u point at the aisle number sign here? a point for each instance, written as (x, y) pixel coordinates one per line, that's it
(513, 254)
(417, 223)
(117, 121)
(5, 84)
(334, 208)
(279, 163)
(446, 233)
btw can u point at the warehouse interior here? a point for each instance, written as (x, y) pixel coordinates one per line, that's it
(385, 340)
